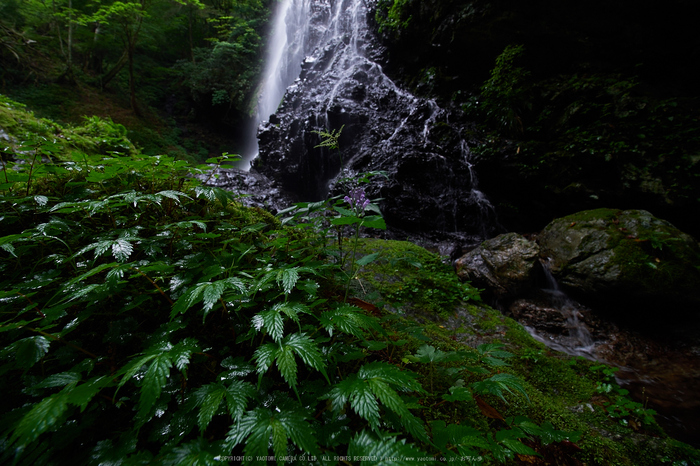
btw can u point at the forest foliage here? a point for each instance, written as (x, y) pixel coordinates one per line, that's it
(150, 318)
(206, 52)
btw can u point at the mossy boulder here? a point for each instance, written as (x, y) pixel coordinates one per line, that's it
(505, 265)
(629, 259)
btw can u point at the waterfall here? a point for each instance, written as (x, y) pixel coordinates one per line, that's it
(324, 53)
(286, 49)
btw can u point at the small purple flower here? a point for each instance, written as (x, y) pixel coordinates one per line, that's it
(357, 200)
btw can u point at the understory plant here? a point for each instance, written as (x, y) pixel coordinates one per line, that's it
(147, 318)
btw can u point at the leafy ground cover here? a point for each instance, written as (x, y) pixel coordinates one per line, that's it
(150, 319)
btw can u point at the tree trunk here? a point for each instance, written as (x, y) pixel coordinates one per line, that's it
(70, 36)
(190, 32)
(132, 83)
(115, 70)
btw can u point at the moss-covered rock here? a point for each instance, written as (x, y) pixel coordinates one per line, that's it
(505, 265)
(627, 258)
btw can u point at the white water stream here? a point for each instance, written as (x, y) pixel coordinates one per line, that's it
(578, 341)
(288, 45)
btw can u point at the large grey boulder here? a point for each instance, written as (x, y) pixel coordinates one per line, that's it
(627, 257)
(505, 266)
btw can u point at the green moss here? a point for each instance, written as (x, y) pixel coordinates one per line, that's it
(409, 277)
(603, 214)
(561, 390)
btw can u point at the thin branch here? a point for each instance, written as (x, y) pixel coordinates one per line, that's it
(154, 284)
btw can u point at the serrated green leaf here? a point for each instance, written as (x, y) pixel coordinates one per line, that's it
(29, 351)
(514, 433)
(59, 380)
(369, 258)
(82, 394)
(259, 438)
(237, 395)
(493, 349)
(181, 352)
(387, 451)
(208, 398)
(174, 195)
(495, 362)
(271, 321)
(292, 310)
(458, 432)
(307, 350)
(211, 294)
(518, 447)
(475, 441)
(122, 249)
(133, 367)
(237, 284)
(510, 381)
(404, 379)
(346, 319)
(527, 425)
(91, 272)
(197, 452)
(387, 396)
(265, 356)
(9, 248)
(287, 365)
(440, 435)
(363, 402)
(374, 221)
(261, 426)
(288, 279)
(499, 382)
(188, 299)
(206, 191)
(299, 430)
(279, 439)
(458, 394)
(154, 380)
(429, 354)
(350, 220)
(7, 326)
(40, 418)
(374, 381)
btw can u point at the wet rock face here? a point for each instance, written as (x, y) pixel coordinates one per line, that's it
(430, 184)
(628, 257)
(506, 266)
(258, 191)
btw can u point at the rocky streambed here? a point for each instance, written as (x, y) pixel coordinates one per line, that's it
(639, 278)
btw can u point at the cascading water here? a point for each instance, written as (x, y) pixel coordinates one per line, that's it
(285, 51)
(577, 340)
(431, 182)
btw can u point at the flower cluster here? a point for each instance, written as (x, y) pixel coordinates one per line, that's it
(357, 200)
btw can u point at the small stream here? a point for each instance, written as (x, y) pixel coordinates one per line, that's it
(576, 340)
(660, 366)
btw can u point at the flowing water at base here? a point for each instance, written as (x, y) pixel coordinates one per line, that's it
(660, 367)
(576, 340)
